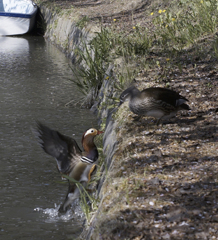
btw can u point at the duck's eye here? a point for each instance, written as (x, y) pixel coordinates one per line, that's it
(124, 96)
(90, 131)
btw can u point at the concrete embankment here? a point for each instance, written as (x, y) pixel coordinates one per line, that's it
(158, 182)
(63, 32)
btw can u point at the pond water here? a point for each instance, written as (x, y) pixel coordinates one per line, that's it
(35, 85)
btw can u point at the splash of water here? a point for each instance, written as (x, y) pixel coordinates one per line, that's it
(52, 214)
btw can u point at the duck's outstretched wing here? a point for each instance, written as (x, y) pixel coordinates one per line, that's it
(64, 149)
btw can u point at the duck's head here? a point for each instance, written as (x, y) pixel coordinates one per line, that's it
(92, 132)
(127, 94)
(88, 137)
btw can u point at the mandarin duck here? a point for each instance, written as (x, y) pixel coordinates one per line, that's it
(157, 102)
(71, 161)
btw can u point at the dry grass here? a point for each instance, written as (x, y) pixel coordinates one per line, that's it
(162, 183)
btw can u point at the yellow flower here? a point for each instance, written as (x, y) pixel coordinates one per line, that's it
(173, 19)
(164, 10)
(166, 26)
(202, 1)
(114, 19)
(160, 11)
(133, 27)
(152, 13)
(167, 59)
(107, 78)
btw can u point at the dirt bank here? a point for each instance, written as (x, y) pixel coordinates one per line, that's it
(162, 182)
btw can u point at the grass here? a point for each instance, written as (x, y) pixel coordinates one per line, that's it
(164, 49)
(176, 29)
(88, 202)
(82, 22)
(182, 24)
(90, 71)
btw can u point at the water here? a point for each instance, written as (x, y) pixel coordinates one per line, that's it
(34, 86)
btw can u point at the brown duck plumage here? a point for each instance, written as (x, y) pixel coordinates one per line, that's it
(71, 160)
(160, 103)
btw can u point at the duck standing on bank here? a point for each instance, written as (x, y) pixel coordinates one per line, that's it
(160, 103)
(71, 161)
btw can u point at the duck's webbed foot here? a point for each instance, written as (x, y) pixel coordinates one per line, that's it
(67, 203)
(136, 118)
(72, 195)
(158, 121)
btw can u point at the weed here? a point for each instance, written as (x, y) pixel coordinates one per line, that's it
(177, 28)
(97, 54)
(215, 47)
(87, 201)
(82, 22)
(185, 21)
(90, 77)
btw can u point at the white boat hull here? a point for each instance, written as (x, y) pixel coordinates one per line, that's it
(13, 23)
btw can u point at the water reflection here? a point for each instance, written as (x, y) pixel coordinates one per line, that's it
(34, 86)
(12, 45)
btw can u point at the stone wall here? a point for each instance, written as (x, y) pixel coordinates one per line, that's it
(64, 33)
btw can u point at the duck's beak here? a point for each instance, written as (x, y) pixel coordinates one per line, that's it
(120, 103)
(99, 132)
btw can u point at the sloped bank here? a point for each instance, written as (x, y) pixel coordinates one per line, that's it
(61, 30)
(64, 33)
(161, 182)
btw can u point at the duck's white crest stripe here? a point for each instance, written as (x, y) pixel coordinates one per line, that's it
(86, 160)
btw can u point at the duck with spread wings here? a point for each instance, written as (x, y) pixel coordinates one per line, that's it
(71, 160)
